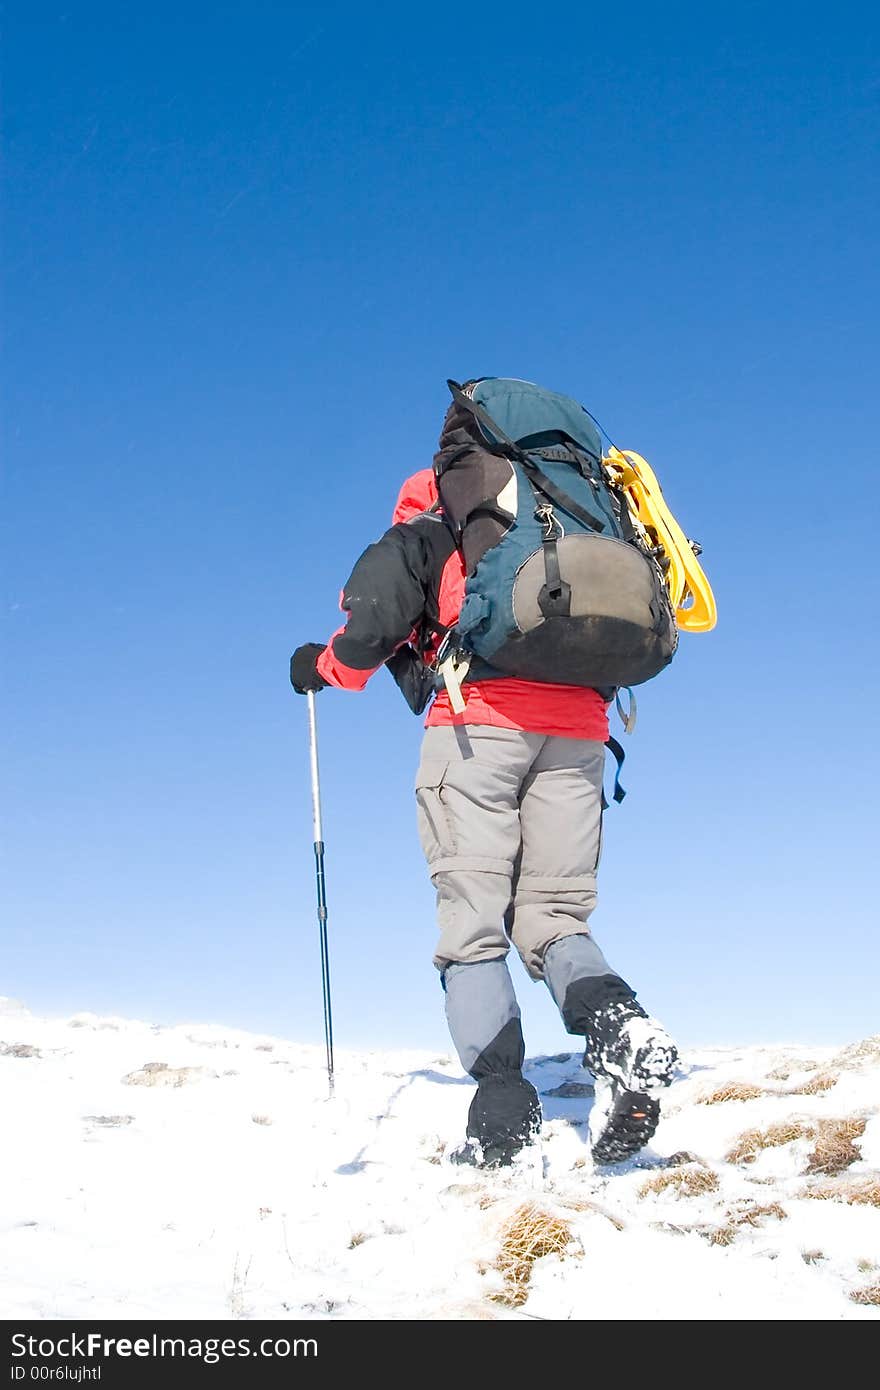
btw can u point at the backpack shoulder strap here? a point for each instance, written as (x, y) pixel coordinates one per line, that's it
(485, 419)
(537, 477)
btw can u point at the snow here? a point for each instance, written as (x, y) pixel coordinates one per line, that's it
(224, 1183)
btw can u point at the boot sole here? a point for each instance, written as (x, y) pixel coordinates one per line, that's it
(631, 1122)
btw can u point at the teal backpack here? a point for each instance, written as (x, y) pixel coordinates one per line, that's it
(559, 587)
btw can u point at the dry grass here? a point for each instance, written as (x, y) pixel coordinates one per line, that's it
(721, 1235)
(733, 1090)
(745, 1213)
(835, 1150)
(859, 1054)
(750, 1213)
(747, 1090)
(815, 1086)
(433, 1150)
(358, 1238)
(752, 1141)
(671, 1228)
(161, 1074)
(584, 1204)
(857, 1192)
(690, 1180)
(19, 1050)
(870, 1295)
(530, 1234)
(785, 1069)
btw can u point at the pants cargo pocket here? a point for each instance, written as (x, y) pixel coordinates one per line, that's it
(435, 831)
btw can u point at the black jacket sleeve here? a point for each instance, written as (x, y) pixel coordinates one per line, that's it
(392, 591)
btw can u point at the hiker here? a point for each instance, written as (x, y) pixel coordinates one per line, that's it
(509, 794)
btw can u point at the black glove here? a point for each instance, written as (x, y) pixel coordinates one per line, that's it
(303, 671)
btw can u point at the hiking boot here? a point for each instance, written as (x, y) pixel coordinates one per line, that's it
(498, 1155)
(632, 1059)
(621, 1121)
(625, 1043)
(504, 1116)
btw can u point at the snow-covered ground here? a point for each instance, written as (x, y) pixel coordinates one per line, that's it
(224, 1183)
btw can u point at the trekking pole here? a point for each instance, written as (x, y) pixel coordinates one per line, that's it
(322, 896)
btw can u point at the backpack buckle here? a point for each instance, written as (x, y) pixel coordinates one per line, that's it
(452, 665)
(546, 516)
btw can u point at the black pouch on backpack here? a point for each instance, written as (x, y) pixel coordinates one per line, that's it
(413, 678)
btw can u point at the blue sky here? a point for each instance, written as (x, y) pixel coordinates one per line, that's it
(244, 247)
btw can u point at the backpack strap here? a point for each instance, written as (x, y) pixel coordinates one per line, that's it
(554, 600)
(452, 666)
(535, 475)
(565, 453)
(619, 756)
(542, 484)
(485, 419)
(627, 717)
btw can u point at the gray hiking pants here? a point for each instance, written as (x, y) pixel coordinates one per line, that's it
(511, 826)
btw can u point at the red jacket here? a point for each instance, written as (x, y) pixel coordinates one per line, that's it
(536, 707)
